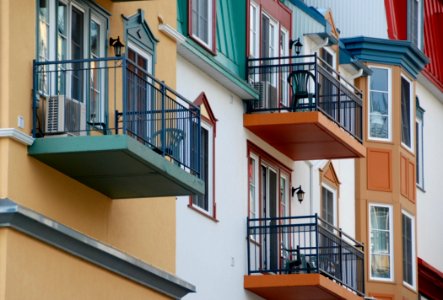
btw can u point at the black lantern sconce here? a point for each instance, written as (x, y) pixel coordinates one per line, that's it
(296, 44)
(117, 46)
(300, 193)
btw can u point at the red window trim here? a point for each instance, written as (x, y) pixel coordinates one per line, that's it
(212, 121)
(263, 156)
(274, 9)
(212, 48)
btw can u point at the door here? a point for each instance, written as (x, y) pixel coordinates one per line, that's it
(140, 119)
(269, 204)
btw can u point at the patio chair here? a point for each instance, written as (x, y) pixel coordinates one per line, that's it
(301, 82)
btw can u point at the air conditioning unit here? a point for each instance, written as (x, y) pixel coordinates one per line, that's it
(267, 95)
(55, 115)
(75, 117)
(64, 115)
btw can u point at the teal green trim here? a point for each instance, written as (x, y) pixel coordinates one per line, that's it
(116, 165)
(389, 52)
(234, 78)
(346, 58)
(51, 232)
(138, 32)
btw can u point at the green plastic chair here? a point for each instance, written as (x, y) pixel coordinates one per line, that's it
(299, 80)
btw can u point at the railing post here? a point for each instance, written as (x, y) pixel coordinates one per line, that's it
(124, 93)
(340, 255)
(34, 98)
(248, 246)
(316, 84)
(339, 102)
(316, 244)
(163, 118)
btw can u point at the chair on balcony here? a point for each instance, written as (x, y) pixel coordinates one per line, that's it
(174, 138)
(301, 82)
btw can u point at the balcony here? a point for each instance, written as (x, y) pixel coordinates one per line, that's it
(303, 258)
(112, 126)
(306, 109)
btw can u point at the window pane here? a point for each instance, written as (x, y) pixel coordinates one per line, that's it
(380, 236)
(379, 79)
(408, 259)
(201, 22)
(198, 200)
(405, 112)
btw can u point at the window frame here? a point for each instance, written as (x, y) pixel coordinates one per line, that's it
(211, 211)
(411, 113)
(211, 44)
(254, 40)
(256, 172)
(413, 286)
(334, 203)
(389, 92)
(391, 243)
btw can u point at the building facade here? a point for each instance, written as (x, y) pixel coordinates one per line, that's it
(83, 124)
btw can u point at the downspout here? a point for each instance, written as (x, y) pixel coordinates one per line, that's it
(325, 43)
(356, 75)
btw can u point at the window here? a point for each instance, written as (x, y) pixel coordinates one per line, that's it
(406, 113)
(419, 146)
(381, 242)
(328, 206)
(380, 104)
(205, 202)
(254, 32)
(415, 22)
(202, 20)
(408, 242)
(253, 186)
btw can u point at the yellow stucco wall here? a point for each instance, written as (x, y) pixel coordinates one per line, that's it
(38, 271)
(144, 228)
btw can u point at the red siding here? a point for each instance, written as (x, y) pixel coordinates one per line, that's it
(396, 17)
(433, 16)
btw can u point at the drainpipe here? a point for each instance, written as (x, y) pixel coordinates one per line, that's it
(357, 75)
(325, 43)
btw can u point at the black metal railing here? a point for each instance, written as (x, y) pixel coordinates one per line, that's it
(305, 244)
(103, 96)
(305, 83)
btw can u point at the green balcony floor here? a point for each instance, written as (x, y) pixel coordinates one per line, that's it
(116, 165)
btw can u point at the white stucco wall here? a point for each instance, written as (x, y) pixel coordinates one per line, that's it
(429, 200)
(213, 255)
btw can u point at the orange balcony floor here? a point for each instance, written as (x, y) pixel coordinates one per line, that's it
(297, 287)
(304, 135)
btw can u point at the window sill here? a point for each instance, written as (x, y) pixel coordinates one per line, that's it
(204, 214)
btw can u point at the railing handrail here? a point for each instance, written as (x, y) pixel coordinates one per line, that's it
(315, 217)
(298, 57)
(114, 58)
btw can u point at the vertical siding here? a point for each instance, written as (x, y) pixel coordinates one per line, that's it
(433, 17)
(302, 23)
(356, 17)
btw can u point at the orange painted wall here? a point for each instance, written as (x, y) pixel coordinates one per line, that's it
(52, 274)
(386, 176)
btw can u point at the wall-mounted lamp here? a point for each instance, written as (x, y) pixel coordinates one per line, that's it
(117, 46)
(300, 193)
(296, 44)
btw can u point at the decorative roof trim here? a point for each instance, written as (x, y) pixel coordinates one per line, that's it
(390, 52)
(64, 238)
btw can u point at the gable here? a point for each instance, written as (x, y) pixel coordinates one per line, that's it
(139, 33)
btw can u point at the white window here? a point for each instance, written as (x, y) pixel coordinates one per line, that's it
(406, 113)
(254, 31)
(202, 18)
(253, 186)
(381, 256)
(284, 52)
(206, 202)
(419, 148)
(408, 242)
(380, 107)
(269, 43)
(329, 206)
